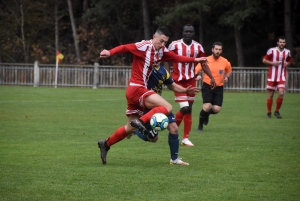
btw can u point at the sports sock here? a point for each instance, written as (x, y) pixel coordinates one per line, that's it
(117, 136)
(140, 135)
(179, 116)
(278, 104)
(174, 145)
(160, 109)
(187, 120)
(269, 105)
(202, 116)
(211, 111)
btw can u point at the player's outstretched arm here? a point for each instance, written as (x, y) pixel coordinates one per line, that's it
(179, 89)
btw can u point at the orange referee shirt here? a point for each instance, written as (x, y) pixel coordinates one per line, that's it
(217, 67)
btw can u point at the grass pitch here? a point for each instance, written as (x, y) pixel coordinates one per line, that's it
(48, 150)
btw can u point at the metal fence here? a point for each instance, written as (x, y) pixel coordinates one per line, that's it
(242, 78)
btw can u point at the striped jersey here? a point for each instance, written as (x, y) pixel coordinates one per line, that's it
(181, 70)
(277, 73)
(144, 57)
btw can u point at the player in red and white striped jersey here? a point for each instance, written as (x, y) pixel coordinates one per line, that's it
(184, 75)
(145, 55)
(278, 58)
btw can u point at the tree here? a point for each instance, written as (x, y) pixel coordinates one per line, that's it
(237, 17)
(74, 30)
(146, 20)
(288, 24)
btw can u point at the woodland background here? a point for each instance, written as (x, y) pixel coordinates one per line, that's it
(32, 30)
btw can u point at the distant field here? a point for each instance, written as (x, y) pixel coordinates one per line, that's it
(48, 150)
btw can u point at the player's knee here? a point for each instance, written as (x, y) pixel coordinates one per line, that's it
(206, 107)
(152, 135)
(216, 109)
(153, 140)
(173, 128)
(186, 110)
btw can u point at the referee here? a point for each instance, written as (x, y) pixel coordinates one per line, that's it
(213, 98)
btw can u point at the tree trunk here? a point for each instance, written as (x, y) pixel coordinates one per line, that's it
(56, 28)
(74, 30)
(271, 34)
(23, 34)
(201, 28)
(146, 20)
(239, 47)
(288, 25)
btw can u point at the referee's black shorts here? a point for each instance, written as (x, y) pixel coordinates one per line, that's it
(213, 96)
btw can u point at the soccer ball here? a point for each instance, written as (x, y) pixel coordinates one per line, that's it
(159, 122)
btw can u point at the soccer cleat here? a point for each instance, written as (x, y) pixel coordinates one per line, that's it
(269, 115)
(206, 120)
(187, 142)
(200, 128)
(103, 150)
(138, 124)
(277, 114)
(178, 161)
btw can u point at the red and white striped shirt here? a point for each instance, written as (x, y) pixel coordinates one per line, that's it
(185, 71)
(144, 57)
(277, 73)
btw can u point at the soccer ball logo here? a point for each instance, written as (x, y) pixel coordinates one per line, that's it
(159, 122)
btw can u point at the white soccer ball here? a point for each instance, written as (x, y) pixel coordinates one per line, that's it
(159, 122)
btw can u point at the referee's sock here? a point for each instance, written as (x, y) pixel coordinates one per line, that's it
(211, 111)
(202, 117)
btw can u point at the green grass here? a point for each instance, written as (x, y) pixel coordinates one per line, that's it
(48, 150)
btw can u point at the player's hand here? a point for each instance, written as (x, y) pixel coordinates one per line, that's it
(104, 53)
(198, 77)
(225, 79)
(192, 90)
(212, 83)
(201, 60)
(276, 63)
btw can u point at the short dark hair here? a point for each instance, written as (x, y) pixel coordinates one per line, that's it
(163, 31)
(187, 25)
(217, 43)
(280, 37)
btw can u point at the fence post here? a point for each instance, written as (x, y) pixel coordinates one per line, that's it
(36, 74)
(96, 72)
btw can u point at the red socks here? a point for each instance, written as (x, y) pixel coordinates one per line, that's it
(160, 109)
(269, 105)
(119, 135)
(278, 104)
(179, 116)
(187, 120)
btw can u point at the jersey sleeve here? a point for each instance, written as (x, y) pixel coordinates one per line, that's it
(171, 56)
(169, 80)
(289, 57)
(124, 48)
(268, 55)
(228, 67)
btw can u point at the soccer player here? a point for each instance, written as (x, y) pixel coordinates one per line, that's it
(159, 77)
(278, 58)
(145, 54)
(183, 74)
(213, 98)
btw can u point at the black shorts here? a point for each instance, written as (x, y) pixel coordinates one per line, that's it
(213, 96)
